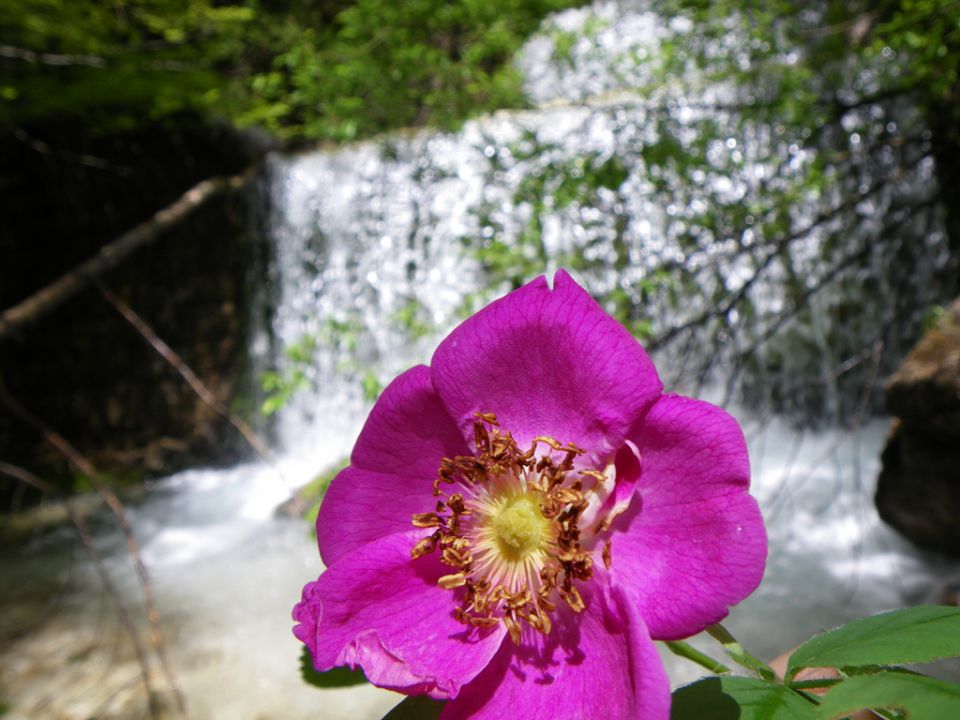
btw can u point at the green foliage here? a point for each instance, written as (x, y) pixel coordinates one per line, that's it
(416, 707)
(311, 495)
(336, 336)
(116, 64)
(337, 677)
(381, 65)
(281, 385)
(733, 698)
(740, 656)
(907, 695)
(413, 319)
(866, 653)
(305, 71)
(912, 635)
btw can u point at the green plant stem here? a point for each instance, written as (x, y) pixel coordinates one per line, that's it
(740, 656)
(686, 650)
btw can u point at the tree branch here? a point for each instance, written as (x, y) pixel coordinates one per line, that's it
(81, 463)
(109, 256)
(195, 383)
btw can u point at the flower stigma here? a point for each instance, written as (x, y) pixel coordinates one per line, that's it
(509, 523)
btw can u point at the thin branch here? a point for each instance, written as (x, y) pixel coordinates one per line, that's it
(31, 480)
(80, 158)
(10, 52)
(734, 298)
(112, 254)
(82, 464)
(16, 53)
(195, 383)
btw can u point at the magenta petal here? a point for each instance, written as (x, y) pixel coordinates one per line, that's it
(547, 362)
(600, 663)
(692, 543)
(380, 610)
(392, 467)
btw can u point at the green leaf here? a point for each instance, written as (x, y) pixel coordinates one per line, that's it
(918, 696)
(911, 635)
(738, 698)
(416, 707)
(335, 678)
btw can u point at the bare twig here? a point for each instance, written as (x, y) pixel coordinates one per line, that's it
(167, 353)
(123, 614)
(82, 464)
(93, 161)
(15, 53)
(109, 256)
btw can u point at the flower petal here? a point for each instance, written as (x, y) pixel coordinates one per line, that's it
(547, 362)
(600, 663)
(392, 468)
(692, 543)
(380, 610)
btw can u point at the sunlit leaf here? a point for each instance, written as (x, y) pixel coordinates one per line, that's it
(919, 697)
(911, 635)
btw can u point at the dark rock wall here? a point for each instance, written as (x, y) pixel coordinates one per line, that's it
(918, 491)
(82, 368)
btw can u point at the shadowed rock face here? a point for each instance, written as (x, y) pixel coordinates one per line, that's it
(82, 368)
(918, 491)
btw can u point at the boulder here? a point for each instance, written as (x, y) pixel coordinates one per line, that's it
(918, 491)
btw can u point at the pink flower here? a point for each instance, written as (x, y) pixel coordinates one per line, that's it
(520, 519)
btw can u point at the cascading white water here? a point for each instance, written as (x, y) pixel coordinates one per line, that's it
(371, 265)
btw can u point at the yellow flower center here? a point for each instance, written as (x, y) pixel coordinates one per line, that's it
(518, 527)
(511, 530)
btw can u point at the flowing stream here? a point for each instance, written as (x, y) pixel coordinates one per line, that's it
(373, 265)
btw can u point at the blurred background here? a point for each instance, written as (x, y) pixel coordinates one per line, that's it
(227, 224)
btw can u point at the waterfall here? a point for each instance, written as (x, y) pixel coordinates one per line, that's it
(383, 246)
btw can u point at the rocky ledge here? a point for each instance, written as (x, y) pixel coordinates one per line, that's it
(918, 492)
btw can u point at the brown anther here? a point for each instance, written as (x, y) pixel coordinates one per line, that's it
(513, 627)
(549, 575)
(457, 559)
(488, 418)
(456, 505)
(607, 559)
(534, 622)
(485, 621)
(596, 475)
(572, 597)
(449, 582)
(568, 496)
(425, 520)
(545, 602)
(547, 440)
(425, 546)
(519, 599)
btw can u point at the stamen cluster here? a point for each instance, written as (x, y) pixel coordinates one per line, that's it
(514, 577)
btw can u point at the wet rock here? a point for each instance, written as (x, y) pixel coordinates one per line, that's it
(918, 492)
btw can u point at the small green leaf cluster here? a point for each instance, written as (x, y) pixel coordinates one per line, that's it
(868, 657)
